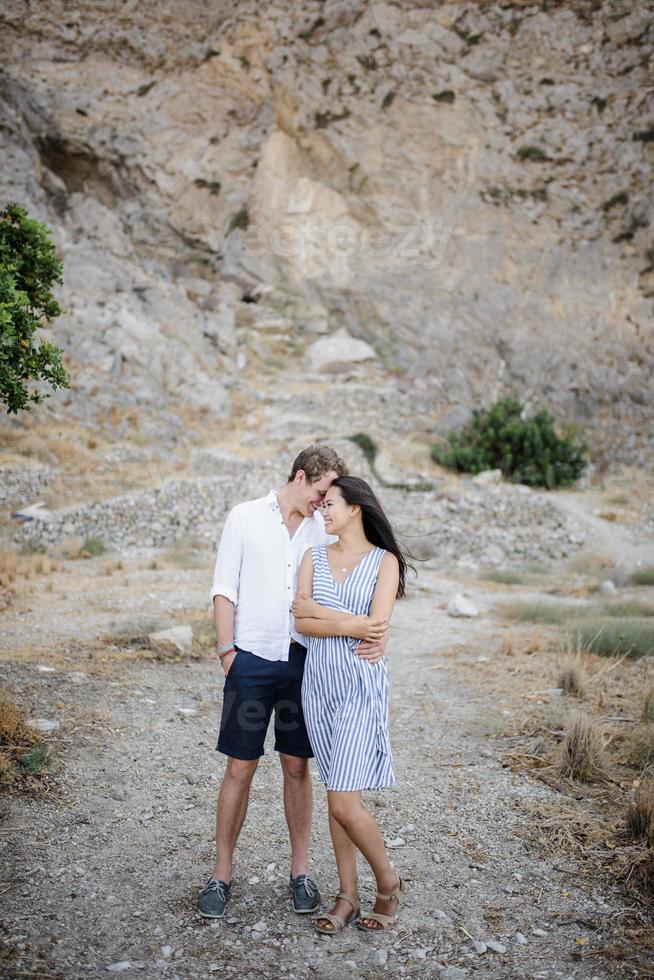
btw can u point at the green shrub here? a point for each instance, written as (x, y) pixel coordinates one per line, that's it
(28, 269)
(644, 576)
(616, 637)
(526, 450)
(93, 546)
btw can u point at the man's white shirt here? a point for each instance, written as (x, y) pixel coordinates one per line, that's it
(257, 567)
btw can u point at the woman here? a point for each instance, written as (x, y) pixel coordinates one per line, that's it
(354, 584)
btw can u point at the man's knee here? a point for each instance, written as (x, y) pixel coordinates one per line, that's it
(294, 767)
(241, 770)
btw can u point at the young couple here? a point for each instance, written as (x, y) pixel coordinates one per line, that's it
(301, 609)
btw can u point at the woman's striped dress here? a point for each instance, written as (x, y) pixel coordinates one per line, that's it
(344, 698)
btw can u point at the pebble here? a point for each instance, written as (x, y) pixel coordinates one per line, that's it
(166, 952)
(420, 953)
(495, 946)
(408, 828)
(539, 932)
(43, 724)
(453, 973)
(520, 939)
(380, 957)
(480, 947)
(608, 587)
(77, 677)
(259, 926)
(461, 607)
(396, 842)
(119, 967)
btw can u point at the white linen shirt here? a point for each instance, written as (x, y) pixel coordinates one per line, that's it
(257, 567)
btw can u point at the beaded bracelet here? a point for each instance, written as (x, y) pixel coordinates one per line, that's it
(225, 648)
(226, 653)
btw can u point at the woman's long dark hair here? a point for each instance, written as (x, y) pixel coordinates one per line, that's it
(376, 526)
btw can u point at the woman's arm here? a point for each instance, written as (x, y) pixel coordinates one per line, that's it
(360, 627)
(328, 622)
(383, 601)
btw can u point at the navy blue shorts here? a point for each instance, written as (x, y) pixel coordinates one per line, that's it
(254, 688)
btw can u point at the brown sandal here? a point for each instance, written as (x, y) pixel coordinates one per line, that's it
(336, 921)
(385, 921)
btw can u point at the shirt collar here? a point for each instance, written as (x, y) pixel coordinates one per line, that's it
(272, 501)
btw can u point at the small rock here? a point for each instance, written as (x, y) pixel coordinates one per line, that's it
(43, 724)
(520, 939)
(186, 711)
(254, 880)
(460, 606)
(380, 957)
(119, 967)
(396, 842)
(45, 670)
(480, 947)
(487, 476)
(608, 587)
(539, 932)
(77, 677)
(232, 920)
(166, 952)
(453, 973)
(420, 954)
(329, 354)
(177, 639)
(259, 926)
(495, 946)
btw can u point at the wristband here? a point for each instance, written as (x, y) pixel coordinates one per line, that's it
(225, 648)
(226, 653)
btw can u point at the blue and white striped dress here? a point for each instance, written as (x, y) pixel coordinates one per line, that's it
(345, 698)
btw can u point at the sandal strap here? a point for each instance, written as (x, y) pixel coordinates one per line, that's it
(335, 920)
(397, 895)
(354, 902)
(385, 921)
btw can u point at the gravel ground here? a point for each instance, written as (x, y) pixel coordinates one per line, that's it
(103, 873)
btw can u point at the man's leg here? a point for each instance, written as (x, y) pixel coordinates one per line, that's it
(298, 805)
(230, 813)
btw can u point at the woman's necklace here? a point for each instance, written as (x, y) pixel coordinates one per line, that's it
(357, 558)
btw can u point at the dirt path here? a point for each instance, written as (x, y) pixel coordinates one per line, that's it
(105, 870)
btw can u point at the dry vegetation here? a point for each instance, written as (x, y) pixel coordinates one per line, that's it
(599, 761)
(24, 758)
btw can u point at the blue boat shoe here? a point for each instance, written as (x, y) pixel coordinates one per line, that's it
(213, 899)
(306, 897)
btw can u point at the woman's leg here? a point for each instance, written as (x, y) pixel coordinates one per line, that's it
(346, 862)
(347, 809)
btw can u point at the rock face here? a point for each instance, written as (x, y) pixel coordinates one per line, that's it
(463, 186)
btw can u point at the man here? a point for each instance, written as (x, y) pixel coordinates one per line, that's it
(262, 655)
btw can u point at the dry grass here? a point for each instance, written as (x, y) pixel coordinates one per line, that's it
(572, 677)
(647, 710)
(22, 754)
(643, 576)
(640, 748)
(608, 637)
(640, 814)
(583, 757)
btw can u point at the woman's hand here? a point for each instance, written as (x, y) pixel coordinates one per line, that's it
(372, 630)
(227, 662)
(304, 607)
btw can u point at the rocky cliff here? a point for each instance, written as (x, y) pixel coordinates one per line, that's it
(382, 215)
